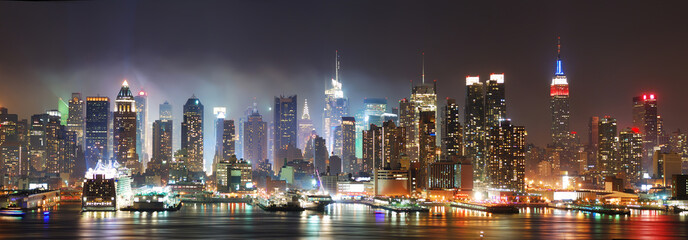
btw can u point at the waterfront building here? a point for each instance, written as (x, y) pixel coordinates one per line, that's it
(474, 122)
(506, 162)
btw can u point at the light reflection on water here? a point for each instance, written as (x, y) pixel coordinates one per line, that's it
(350, 221)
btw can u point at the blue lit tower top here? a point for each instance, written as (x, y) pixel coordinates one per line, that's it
(560, 70)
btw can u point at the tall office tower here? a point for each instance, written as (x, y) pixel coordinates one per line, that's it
(37, 142)
(559, 105)
(645, 119)
(305, 126)
(162, 141)
(53, 129)
(75, 120)
(192, 134)
(271, 141)
(393, 144)
(336, 106)
(452, 138)
(166, 111)
(228, 140)
(124, 131)
(337, 141)
(68, 152)
(96, 136)
(408, 120)
(255, 139)
(631, 154)
(427, 153)
(321, 155)
(11, 145)
(506, 163)
(372, 149)
(285, 126)
(606, 154)
(348, 144)
(141, 101)
(219, 113)
(495, 100)
(474, 122)
(424, 97)
(111, 136)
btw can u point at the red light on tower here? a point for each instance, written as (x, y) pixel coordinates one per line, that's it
(644, 97)
(652, 96)
(635, 130)
(142, 93)
(574, 132)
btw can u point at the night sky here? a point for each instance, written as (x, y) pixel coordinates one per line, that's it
(227, 53)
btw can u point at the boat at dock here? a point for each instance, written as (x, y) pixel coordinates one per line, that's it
(153, 200)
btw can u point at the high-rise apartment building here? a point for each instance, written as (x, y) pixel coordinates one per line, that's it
(255, 139)
(606, 153)
(506, 162)
(348, 144)
(452, 134)
(96, 136)
(75, 120)
(286, 126)
(474, 122)
(124, 130)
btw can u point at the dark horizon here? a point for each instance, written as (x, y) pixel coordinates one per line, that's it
(236, 51)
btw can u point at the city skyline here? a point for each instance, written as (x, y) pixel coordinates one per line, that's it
(525, 60)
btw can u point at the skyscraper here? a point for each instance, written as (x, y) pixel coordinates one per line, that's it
(336, 106)
(305, 126)
(228, 139)
(427, 153)
(162, 140)
(53, 130)
(606, 154)
(559, 105)
(141, 100)
(255, 139)
(124, 130)
(506, 163)
(192, 134)
(75, 120)
(321, 155)
(219, 113)
(495, 100)
(96, 136)
(408, 120)
(285, 126)
(474, 132)
(631, 154)
(645, 119)
(348, 144)
(38, 142)
(452, 138)
(372, 149)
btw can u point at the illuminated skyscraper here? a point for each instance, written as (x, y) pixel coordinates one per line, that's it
(452, 138)
(559, 105)
(336, 106)
(124, 130)
(38, 142)
(255, 139)
(427, 153)
(372, 149)
(228, 140)
(162, 141)
(192, 134)
(305, 127)
(75, 120)
(348, 144)
(219, 113)
(645, 119)
(606, 154)
(408, 120)
(474, 132)
(142, 127)
(506, 162)
(53, 130)
(96, 136)
(286, 126)
(495, 100)
(631, 154)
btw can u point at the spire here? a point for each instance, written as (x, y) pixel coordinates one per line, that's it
(336, 62)
(423, 72)
(559, 71)
(305, 115)
(125, 83)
